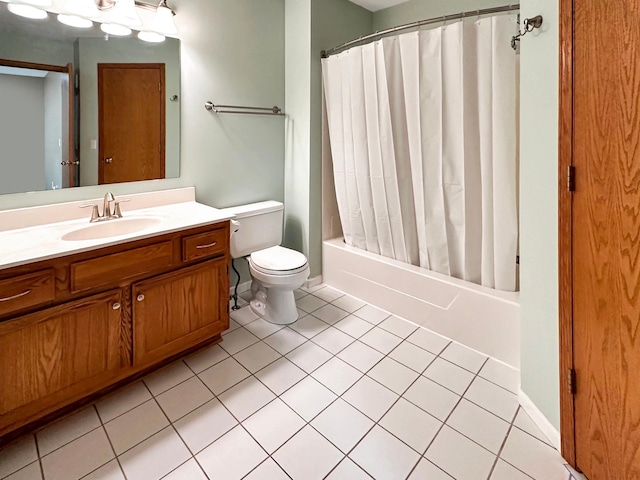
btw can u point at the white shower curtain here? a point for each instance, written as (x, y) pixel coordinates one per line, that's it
(423, 133)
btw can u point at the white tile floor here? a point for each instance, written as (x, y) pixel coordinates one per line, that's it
(348, 392)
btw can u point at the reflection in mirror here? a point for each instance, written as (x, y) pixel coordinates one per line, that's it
(117, 120)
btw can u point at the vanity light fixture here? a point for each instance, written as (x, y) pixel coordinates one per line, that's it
(163, 21)
(115, 29)
(28, 11)
(36, 3)
(124, 13)
(75, 21)
(117, 17)
(82, 8)
(152, 37)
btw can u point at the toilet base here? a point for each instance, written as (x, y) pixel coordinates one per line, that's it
(274, 305)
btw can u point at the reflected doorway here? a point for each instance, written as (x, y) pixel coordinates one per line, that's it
(37, 119)
(131, 116)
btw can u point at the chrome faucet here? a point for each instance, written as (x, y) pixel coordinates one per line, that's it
(106, 205)
(107, 214)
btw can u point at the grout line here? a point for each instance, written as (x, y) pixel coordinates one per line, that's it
(448, 416)
(533, 436)
(35, 440)
(347, 457)
(504, 442)
(67, 443)
(264, 461)
(181, 465)
(115, 455)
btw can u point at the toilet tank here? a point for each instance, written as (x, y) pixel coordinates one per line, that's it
(259, 226)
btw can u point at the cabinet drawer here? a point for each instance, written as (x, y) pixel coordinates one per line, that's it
(204, 245)
(118, 267)
(24, 291)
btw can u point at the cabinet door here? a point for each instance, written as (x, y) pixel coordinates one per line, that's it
(60, 354)
(176, 311)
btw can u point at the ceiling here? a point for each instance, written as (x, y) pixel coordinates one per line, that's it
(375, 5)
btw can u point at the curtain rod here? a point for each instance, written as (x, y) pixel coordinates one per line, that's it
(419, 23)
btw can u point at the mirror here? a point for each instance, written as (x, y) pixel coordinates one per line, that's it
(81, 108)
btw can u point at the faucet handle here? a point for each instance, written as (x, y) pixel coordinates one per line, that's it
(95, 214)
(116, 210)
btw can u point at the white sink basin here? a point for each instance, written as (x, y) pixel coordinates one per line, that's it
(112, 228)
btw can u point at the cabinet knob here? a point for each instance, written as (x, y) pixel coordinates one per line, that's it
(140, 297)
(116, 306)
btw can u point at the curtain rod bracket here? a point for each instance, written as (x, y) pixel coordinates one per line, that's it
(530, 24)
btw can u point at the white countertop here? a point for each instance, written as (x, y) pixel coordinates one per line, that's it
(44, 241)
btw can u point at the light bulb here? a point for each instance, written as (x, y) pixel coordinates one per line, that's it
(82, 8)
(37, 3)
(152, 37)
(124, 13)
(27, 11)
(163, 21)
(114, 29)
(75, 21)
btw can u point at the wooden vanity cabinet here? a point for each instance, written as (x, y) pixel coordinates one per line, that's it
(94, 319)
(59, 353)
(177, 310)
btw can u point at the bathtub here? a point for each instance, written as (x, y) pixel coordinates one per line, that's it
(481, 318)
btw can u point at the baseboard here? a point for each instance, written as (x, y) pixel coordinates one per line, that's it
(243, 287)
(539, 419)
(313, 282)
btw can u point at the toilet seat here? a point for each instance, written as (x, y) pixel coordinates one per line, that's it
(278, 261)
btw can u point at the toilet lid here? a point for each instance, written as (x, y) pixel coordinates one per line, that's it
(279, 260)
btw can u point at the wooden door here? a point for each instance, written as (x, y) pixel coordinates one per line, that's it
(59, 355)
(131, 112)
(178, 310)
(600, 236)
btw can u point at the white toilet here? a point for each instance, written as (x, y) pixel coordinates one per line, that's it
(275, 271)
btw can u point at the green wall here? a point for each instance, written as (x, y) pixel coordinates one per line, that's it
(298, 129)
(539, 210)
(420, 9)
(311, 26)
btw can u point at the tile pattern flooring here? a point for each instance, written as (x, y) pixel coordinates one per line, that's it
(347, 392)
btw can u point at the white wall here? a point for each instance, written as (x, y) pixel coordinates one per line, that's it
(21, 134)
(232, 51)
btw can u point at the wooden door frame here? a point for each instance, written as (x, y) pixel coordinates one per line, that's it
(163, 114)
(565, 254)
(68, 69)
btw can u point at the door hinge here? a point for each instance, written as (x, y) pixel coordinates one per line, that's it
(571, 178)
(159, 86)
(572, 381)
